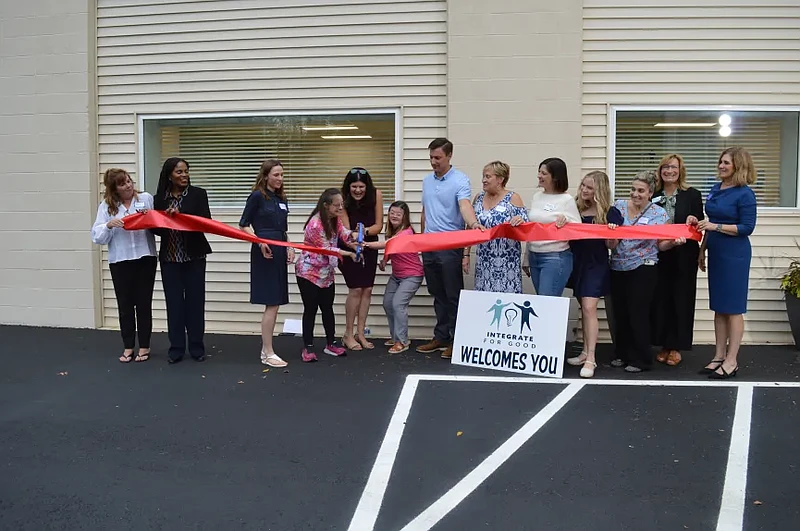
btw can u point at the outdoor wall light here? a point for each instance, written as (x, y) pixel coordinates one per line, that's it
(725, 122)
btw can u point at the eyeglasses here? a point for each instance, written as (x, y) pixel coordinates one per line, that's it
(358, 171)
(671, 167)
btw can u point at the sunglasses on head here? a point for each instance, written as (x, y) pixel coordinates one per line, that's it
(358, 171)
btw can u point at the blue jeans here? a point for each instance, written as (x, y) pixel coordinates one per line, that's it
(550, 272)
(399, 292)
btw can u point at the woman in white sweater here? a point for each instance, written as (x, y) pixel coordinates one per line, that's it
(549, 263)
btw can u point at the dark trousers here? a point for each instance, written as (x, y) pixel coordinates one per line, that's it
(633, 292)
(445, 281)
(315, 297)
(185, 293)
(133, 286)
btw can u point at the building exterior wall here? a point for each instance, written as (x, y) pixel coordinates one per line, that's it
(515, 80)
(710, 53)
(48, 269)
(233, 56)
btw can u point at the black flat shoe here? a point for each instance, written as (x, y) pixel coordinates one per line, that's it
(706, 370)
(173, 361)
(724, 375)
(200, 358)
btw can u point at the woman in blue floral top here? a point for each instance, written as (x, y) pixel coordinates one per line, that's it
(498, 266)
(634, 275)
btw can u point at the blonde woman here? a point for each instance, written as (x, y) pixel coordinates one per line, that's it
(498, 266)
(672, 314)
(591, 272)
(731, 209)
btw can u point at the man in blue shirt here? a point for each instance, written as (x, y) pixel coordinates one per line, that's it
(446, 206)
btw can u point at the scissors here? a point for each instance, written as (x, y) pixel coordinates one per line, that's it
(360, 244)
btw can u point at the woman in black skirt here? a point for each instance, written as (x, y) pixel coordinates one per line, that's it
(672, 312)
(266, 216)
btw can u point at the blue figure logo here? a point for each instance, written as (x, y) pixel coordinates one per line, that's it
(497, 308)
(527, 311)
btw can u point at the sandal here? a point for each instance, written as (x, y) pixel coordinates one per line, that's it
(663, 356)
(126, 358)
(708, 370)
(273, 360)
(143, 356)
(364, 343)
(577, 360)
(674, 358)
(399, 347)
(350, 346)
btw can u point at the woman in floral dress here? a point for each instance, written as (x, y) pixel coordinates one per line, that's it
(498, 266)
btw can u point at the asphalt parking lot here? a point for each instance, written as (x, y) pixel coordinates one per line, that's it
(373, 441)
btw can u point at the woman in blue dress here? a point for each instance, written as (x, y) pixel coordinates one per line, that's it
(731, 211)
(591, 273)
(266, 216)
(498, 265)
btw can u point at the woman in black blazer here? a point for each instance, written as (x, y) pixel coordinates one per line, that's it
(183, 260)
(672, 313)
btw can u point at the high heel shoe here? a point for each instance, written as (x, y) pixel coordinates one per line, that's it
(725, 375)
(707, 370)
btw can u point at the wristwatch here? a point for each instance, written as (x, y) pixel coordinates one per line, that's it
(719, 228)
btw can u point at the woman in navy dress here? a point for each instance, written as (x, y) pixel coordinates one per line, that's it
(363, 203)
(591, 273)
(731, 211)
(266, 216)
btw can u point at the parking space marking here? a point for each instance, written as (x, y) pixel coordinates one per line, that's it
(372, 498)
(731, 512)
(731, 517)
(439, 509)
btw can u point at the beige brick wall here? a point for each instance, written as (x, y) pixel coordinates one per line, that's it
(514, 86)
(47, 268)
(514, 89)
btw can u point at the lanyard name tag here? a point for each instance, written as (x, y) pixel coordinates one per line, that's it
(282, 205)
(500, 208)
(549, 207)
(139, 205)
(643, 221)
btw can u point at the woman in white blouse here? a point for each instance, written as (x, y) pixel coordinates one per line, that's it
(549, 263)
(131, 259)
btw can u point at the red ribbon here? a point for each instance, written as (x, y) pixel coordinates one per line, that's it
(440, 241)
(155, 219)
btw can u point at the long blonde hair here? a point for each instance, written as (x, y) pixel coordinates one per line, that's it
(602, 196)
(744, 171)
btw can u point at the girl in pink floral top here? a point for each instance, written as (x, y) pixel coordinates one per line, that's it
(316, 272)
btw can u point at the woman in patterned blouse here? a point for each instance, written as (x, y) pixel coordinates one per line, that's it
(316, 272)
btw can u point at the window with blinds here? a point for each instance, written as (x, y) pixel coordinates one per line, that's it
(317, 151)
(644, 137)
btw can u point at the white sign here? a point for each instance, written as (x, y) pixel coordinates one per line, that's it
(511, 332)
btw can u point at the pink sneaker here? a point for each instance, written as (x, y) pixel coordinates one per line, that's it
(333, 350)
(308, 356)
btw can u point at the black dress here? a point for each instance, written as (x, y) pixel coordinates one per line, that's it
(268, 216)
(591, 271)
(672, 310)
(356, 274)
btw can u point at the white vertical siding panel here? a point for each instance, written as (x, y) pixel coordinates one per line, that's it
(712, 52)
(248, 55)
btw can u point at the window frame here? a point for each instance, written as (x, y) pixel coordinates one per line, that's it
(396, 112)
(611, 137)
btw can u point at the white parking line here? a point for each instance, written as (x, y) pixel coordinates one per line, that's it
(372, 498)
(731, 512)
(598, 381)
(439, 509)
